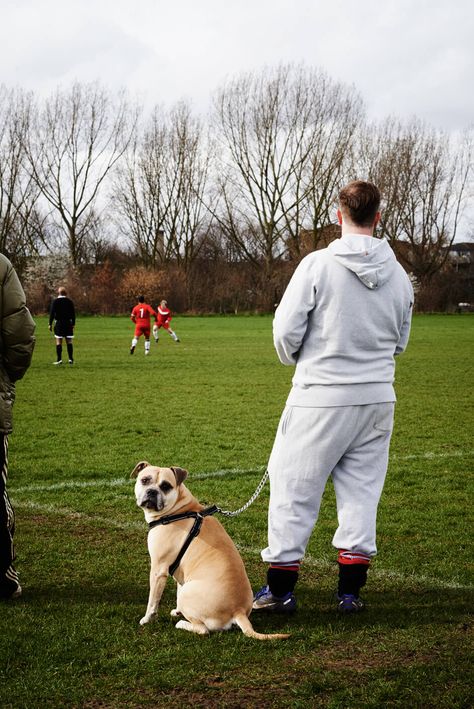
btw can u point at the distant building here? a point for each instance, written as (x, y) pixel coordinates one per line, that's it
(461, 262)
(312, 240)
(461, 257)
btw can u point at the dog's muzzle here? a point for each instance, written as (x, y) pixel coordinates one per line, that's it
(152, 500)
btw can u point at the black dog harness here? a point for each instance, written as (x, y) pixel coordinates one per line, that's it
(195, 529)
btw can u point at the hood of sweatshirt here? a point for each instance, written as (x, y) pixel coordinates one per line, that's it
(372, 260)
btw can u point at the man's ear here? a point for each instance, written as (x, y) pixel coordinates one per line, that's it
(139, 466)
(180, 474)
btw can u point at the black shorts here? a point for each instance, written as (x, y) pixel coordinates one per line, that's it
(63, 328)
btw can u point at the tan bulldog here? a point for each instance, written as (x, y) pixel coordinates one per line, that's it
(213, 592)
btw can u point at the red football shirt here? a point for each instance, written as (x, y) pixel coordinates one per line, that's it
(164, 314)
(142, 313)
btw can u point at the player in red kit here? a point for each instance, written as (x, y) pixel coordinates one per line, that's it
(141, 315)
(163, 320)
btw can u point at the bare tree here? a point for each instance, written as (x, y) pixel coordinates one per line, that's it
(284, 139)
(424, 176)
(137, 193)
(77, 138)
(190, 157)
(160, 189)
(21, 222)
(340, 116)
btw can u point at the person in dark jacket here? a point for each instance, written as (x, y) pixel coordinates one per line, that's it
(63, 313)
(16, 349)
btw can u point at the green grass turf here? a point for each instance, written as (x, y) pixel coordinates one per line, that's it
(211, 404)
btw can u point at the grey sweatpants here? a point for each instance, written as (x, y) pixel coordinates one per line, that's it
(351, 444)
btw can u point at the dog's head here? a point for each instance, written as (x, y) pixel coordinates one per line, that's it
(157, 489)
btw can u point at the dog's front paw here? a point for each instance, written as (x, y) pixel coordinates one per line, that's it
(146, 618)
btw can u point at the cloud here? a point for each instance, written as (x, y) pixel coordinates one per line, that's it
(47, 46)
(405, 58)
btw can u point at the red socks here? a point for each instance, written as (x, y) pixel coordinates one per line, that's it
(282, 577)
(353, 567)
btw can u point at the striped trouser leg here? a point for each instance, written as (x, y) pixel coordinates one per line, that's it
(8, 575)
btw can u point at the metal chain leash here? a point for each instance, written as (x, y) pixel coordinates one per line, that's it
(257, 492)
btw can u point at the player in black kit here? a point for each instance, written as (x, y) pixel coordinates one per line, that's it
(63, 313)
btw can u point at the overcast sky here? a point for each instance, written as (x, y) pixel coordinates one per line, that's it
(406, 57)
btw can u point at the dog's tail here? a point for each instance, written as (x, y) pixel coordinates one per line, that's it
(245, 625)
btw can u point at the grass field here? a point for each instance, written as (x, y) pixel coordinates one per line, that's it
(211, 404)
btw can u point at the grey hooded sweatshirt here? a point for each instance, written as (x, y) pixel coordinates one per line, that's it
(344, 315)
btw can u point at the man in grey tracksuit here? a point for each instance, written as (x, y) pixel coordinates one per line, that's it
(344, 315)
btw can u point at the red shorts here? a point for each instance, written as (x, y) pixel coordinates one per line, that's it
(142, 329)
(163, 323)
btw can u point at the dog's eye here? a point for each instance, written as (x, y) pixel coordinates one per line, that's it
(146, 480)
(165, 487)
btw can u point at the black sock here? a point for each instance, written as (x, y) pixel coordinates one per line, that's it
(59, 352)
(69, 350)
(281, 581)
(352, 577)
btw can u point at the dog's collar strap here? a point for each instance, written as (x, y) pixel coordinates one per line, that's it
(184, 515)
(194, 531)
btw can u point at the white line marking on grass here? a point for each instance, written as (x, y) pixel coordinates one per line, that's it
(65, 512)
(398, 576)
(425, 581)
(430, 455)
(119, 482)
(73, 485)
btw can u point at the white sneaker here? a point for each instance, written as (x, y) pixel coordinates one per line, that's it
(59, 362)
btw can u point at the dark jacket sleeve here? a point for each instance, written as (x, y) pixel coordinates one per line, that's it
(17, 326)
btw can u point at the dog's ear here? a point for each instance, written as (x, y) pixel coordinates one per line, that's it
(139, 466)
(180, 474)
